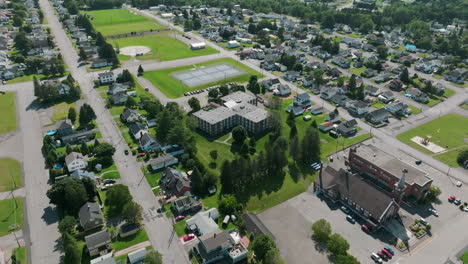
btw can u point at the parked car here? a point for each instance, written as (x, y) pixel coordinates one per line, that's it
(451, 199)
(350, 219)
(109, 181)
(388, 254)
(423, 221)
(382, 256)
(376, 258)
(365, 228)
(140, 154)
(179, 218)
(418, 162)
(433, 211)
(458, 184)
(126, 152)
(390, 250)
(189, 237)
(457, 202)
(344, 209)
(465, 209)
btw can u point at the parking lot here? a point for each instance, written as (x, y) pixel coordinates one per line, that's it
(291, 223)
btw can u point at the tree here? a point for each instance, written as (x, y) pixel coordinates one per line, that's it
(310, 146)
(239, 134)
(360, 92)
(126, 76)
(404, 76)
(262, 244)
(197, 181)
(272, 257)
(22, 43)
(337, 244)
(346, 259)
(140, 70)
(228, 205)
(104, 149)
(433, 193)
(328, 21)
(37, 87)
(352, 85)
(153, 257)
(68, 194)
(291, 118)
(67, 224)
(131, 213)
(84, 148)
(117, 196)
(194, 104)
(131, 103)
(213, 93)
(382, 52)
(82, 54)
(322, 230)
(224, 90)
(462, 157)
(295, 148)
(72, 251)
(86, 114)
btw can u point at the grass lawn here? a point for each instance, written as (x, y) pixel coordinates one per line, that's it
(179, 228)
(153, 178)
(25, 78)
(437, 76)
(450, 157)
(357, 71)
(163, 47)
(60, 111)
(121, 21)
(464, 257)
(353, 35)
(444, 131)
(432, 102)
(20, 254)
(111, 175)
(8, 110)
(116, 110)
(378, 104)
(9, 171)
(10, 215)
(125, 242)
(414, 109)
(173, 88)
(448, 93)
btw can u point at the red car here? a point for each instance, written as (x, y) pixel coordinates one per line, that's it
(189, 237)
(141, 154)
(388, 254)
(365, 228)
(451, 199)
(179, 218)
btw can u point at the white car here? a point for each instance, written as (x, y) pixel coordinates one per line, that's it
(433, 211)
(458, 184)
(465, 209)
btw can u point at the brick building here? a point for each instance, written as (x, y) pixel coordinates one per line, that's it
(385, 170)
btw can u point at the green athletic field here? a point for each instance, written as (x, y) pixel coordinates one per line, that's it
(120, 21)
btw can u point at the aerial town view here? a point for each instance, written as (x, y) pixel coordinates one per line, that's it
(233, 132)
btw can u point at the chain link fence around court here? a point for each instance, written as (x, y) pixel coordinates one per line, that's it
(207, 74)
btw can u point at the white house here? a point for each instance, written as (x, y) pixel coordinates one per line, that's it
(75, 161)
(197, 46)
(106, 77)
(232, 44)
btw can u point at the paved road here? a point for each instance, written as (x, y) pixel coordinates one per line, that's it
(159, 229)
(40, 229)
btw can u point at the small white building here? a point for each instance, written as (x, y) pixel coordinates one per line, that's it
(197, 46)
(106, 77)
(232, 44)
(75, 161)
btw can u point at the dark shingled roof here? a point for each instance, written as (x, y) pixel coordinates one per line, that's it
(255, 226)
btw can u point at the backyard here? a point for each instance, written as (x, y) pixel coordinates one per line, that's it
(11, 215)
(164, 47)
(125, 242)
(446, 132)
(173, 88)
(8, 110)
(10, 174)
(121, 21)
(60, 111)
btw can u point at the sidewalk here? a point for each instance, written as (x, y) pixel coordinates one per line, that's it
(132, 248)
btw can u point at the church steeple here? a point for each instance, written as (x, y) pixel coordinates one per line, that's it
(400, 186)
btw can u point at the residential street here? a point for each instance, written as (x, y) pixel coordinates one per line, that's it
(159, 229)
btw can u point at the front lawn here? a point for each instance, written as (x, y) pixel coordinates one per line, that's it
(121, 21)
(378, 104)
(179, 228)
(164, 47)
(11, 215)
(464, 257)
(8, 112)
(358, 71)
(125, 242)
(173, 88)
(60, 110)
(450, 157)
(414, 109)
(110, 175)
(10, 175)
(20, 254)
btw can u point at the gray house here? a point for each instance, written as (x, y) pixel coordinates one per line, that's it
(90, 216)
(99, 243)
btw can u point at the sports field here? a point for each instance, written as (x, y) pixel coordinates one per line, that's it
(164, 47)
(447, 131)
(8, 112)
(121, 21)
(173, 88)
